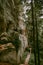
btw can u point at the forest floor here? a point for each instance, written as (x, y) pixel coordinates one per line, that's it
(2, 63)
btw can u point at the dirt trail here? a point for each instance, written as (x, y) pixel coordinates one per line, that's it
(2, 63)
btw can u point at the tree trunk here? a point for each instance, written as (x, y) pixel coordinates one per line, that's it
(22, 35)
